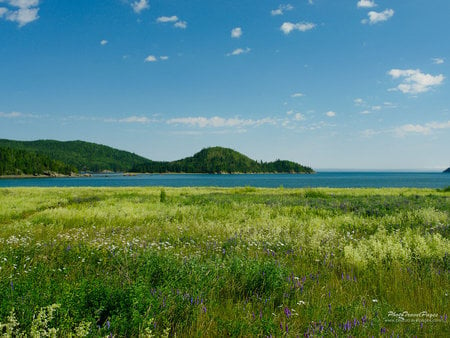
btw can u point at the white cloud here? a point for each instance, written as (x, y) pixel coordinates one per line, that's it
(438, 61)
(299, 117)
(139, 6)
(330, 114)
(375, 17)
(24, 11)
(424, 129)
(11, 115)
(365, 112)
(181, 24)
(219, 122)
(281, 9)
(236, 32)
(366, 4)
(288, 27)
(104, 42)
(358, 102)
(414, 81)
(297, 95)
(239, 51)
(164, 57)
(151, 58)
(172, 18)
(135, 119)
(374, 108)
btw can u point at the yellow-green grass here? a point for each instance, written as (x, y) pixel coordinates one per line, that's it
(224, 262)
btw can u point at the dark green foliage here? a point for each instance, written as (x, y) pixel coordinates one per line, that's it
(19, 162)
(162, 196)
(84, 156)
(447, 171)
(218, 160)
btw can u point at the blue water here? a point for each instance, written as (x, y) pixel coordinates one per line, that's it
(321, 179)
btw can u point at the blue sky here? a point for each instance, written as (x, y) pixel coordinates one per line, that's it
(330, 84)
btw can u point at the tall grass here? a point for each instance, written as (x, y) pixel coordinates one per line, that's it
(224, 262)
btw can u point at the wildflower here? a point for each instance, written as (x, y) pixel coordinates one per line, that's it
(287, 312)
(374, 300)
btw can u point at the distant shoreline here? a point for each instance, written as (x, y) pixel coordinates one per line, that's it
(127, 174)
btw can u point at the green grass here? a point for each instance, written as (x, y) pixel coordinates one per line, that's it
(224, 262)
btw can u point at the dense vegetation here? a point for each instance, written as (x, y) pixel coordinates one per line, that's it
(224, 262)
(22, 162)
(91, 157)
(447, 171)
(221, 160)
(84, 156)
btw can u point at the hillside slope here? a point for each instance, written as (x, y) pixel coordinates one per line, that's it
(84, 156)
(23, 162)
(221, 160)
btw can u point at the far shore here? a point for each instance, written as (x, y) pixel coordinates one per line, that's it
(73, 175)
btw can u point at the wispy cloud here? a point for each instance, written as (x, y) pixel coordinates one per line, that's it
(22, 11)
(239, 51)
(358, 102)
(104, 42)
(16, 115)
(424, 129)
(281, 9)
(172, 19)
(376, 17)
(409, 129)
(180, 24)
(288, 27)
(164, 58)
(135, 119)
(414, 81)
(139, 6)
(366, 4)
(330, 113)
(219, 122)
(438, 61)
(297, 95)
(236, 32)
(10, 115)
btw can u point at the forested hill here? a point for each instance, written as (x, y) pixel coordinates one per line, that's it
(221, 160)
(447, 171)
(84, 156)
(22, 162)
(34, 157)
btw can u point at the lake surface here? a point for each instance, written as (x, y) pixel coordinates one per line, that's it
(321, 179)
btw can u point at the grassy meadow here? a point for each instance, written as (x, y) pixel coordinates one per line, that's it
(217, 262)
